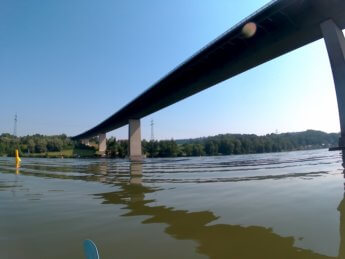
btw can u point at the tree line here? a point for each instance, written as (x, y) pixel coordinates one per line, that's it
(36, 144)
(229, 144)
(224, 144)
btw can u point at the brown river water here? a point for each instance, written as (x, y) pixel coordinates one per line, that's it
(282, 205)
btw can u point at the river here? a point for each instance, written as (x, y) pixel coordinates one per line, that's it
(281, 205)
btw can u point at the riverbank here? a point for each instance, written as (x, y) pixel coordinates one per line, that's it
(85, 154)
(70, 153)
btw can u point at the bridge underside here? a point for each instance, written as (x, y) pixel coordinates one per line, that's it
(278, 28)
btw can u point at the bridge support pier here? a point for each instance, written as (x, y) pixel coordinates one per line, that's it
(335, 43)
(134, 140)
(102, 146)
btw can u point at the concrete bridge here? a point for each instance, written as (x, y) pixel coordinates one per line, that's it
(277, 28)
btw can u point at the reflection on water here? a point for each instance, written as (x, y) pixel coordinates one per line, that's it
(191, 199)
(215, 241)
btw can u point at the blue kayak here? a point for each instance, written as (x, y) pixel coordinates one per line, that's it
(90, 250)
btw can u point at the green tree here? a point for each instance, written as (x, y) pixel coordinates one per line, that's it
(41, 146)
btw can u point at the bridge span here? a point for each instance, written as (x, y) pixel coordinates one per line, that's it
(277, 28)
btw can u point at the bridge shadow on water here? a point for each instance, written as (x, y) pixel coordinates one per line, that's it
(215, 241)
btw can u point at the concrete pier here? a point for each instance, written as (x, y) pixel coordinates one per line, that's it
(134, 139)
(335, 43)
(102, 146)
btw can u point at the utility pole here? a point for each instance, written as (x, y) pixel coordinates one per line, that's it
(15, 125)
(152, 133)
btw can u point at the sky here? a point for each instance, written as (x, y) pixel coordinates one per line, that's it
(66, 65)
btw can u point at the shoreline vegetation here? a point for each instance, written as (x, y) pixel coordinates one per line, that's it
(61, 146)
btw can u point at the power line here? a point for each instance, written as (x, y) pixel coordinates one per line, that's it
(152, 132)
(15, 125)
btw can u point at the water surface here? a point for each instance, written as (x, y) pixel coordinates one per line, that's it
(283, 205)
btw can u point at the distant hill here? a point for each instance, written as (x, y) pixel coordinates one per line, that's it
(229, 144)
(309, 136)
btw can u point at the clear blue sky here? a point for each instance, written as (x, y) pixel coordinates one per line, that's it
(66, 65)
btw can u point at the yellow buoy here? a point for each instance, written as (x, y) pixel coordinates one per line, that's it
(17, 158)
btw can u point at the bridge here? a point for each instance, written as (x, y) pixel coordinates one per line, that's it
(277, 28)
